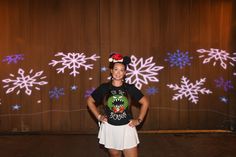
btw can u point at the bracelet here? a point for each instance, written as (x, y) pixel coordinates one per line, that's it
(139, 120)
(99, 117)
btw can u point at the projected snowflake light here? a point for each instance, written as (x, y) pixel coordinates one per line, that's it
(24, 81)
(73, 61)
(189, 89)
(179, 59)
(151, 91)
(56, 93)
(224, 99)
(139, 72)
(16, 107)
(226, 85)
(13, 58)
(89, 92)
(217, 55)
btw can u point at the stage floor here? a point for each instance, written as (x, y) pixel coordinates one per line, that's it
(152, 145)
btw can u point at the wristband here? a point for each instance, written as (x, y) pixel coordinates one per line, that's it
(139, 120)
(99, 117)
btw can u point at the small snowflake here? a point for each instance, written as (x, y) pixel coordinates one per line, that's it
(89, 92)
(151, 91)
(23, 81)
(13, 58)
(103, 69)
(0, 101)
(224, 84)
(74, 87)
(73, 61)
(16, 107)
(179, 59)
(223, 99)
(140, 72)
(234, 74)
(56, 93)
(189, 89)
(39, 101)
(216, 55)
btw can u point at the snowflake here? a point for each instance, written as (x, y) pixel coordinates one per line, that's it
(217, 54)
(56, 92)
(223, 99)
(89, 92)
(151, 90)
(189, 89)
(13, 58)
(24, 81)
(178, 59)
(224, 84)
(16, 107)
(139, 72)
(0, 101)
(234, 74)
(103, 69)
(74, 87)
(73, 61)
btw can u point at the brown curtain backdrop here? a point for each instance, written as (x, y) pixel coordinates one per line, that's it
(144, 28)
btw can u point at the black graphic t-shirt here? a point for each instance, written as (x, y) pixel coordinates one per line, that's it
(116, 101)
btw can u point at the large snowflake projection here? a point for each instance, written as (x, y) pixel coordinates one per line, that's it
(24, 81)
(179, 59)
(226, 85)
(189, 89)
(89, 92)
(217, 55)
(56, 93)
(151, 91)
(13, 58)
(139, 72)
(73, 61)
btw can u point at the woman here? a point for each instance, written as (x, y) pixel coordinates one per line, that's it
(118, 128)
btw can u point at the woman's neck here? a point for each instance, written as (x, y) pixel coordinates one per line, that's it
(117, 83)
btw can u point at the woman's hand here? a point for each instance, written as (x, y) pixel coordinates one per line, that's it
(134, 122)
(102, 118)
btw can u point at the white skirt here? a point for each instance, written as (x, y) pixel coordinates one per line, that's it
(118, 137)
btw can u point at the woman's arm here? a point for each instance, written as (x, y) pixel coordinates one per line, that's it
(91, 105)
(143, 111)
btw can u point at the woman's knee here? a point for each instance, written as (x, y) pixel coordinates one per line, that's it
(114, 153)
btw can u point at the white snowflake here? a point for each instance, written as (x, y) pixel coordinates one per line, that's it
(189, 89)
(217, 54)
(73, 61)
(140, 72)
(24, 81)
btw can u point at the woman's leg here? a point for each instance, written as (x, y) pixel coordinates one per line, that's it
(132, 152)
(114, 153)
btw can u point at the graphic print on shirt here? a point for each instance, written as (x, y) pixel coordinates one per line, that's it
(117, 104)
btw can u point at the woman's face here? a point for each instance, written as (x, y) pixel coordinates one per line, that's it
(118, 72)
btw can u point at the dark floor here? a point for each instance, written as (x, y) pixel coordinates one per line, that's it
(152, 145)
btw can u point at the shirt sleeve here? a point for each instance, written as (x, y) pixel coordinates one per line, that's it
(135, 93)
(98, 94)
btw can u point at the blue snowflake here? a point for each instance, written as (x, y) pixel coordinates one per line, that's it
(103, 69)
(13, 58)
(224, 99)
(16, 107)
(226, 85)
(179, 59)
(56, 92)
(74, 87)
(89, 92)
(151, 91)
